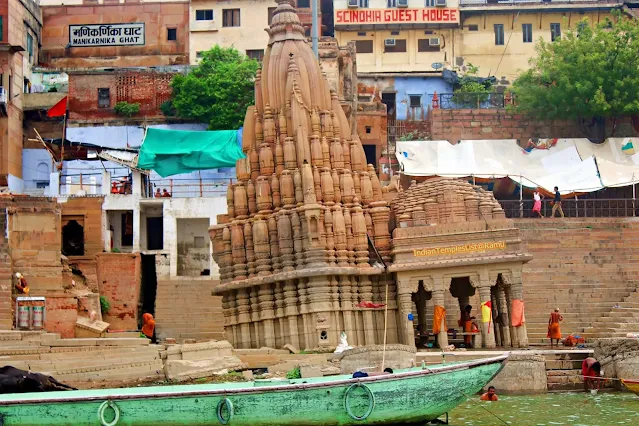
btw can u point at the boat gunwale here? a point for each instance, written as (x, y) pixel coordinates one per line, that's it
(250, 390)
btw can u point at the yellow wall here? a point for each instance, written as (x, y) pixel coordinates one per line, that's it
(250, 35)
(478, 47)
(461, 46)
(410, 61)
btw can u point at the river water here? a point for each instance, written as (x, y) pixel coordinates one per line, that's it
(569, 409)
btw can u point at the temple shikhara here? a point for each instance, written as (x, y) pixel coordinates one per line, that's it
(305, 251)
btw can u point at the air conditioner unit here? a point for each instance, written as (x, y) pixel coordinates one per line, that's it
(389, 42)
(353, 3)
(402, 3)
(440, 3)
(435, 41)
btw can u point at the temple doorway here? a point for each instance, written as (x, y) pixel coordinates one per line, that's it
(148, 287)
(421, 323)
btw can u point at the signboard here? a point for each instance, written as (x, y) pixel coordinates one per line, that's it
(464, 248)
(94, 35)
(431, 15)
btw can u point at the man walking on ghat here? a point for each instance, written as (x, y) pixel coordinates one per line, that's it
(554, 332)
(557, 204)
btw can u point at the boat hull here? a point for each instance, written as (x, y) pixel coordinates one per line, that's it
(413, 396)
(631, 385)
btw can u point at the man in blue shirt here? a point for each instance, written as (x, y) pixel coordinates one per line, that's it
(557, 204)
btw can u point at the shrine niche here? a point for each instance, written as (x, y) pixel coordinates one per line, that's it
(293, 249)
(453, 241)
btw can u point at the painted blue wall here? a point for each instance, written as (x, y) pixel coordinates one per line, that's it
(36, 168)
(424, 86)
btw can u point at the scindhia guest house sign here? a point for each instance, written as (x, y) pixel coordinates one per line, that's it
(92, 35)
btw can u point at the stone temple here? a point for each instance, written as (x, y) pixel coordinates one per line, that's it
(306, 244)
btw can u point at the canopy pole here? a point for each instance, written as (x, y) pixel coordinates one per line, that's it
(314, 27)
(576, 206)
(521, 198)
(634, 194)
(473, 179)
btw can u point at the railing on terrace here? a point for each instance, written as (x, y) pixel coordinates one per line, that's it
(81, 184)
(519, 2)
(474, 100)
(183, 188)
(574, 208)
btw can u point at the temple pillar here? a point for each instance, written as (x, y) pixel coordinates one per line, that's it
(496, 317)
(366, 289)
(488, 335)
(438, 302)
(267, 315)
(346, 305)
(307, 333)
(504, 318)
(257, 337)
(405, 306)
(319, 294)
(291, 334)
(517, 294)
(244, 318)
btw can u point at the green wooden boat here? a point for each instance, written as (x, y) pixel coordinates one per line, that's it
(411, 396)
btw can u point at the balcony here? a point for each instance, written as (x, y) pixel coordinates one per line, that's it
(203, 26)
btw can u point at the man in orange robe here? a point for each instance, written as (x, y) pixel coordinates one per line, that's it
(467, 322)
(148, 328)
(554, 332)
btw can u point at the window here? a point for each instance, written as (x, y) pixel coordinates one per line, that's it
(307, 31)
(391, 3)
(303, 3)
(430, 3)
(230, 17)
(369, 130)
(204, 15)
(394, 33)
(271, 11)
(526, 29)
(473, 28)
(555, 31)
(363, 3)
(400, 46)
(104, 98)
(257, 54)
(361, 34)
(582, 25)
(428, 32)
(30, 46)
(364, 46)
(199, 54)
(499, 34)
(423, 45)
(415, 101)
(1, 27)
(171, 34)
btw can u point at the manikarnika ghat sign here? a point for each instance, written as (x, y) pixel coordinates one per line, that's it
(464, 248)
(92, 35)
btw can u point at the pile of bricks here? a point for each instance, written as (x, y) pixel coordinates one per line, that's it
(185, 309)
(584, 267)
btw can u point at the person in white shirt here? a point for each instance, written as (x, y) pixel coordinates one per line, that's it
(537, 206)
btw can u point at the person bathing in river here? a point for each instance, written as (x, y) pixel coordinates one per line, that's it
(554, 332)
(491, 395)
(591, 372)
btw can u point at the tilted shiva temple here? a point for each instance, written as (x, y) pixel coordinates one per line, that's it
(312, 245)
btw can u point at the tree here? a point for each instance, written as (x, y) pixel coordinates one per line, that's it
(472, 90)
(125, 109)
(588, 75)
(218, 90)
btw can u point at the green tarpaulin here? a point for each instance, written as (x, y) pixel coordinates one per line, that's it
(171, 152)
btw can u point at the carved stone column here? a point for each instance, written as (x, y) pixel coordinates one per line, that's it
(291, 312)
(346, 306)
(488, 335)
(257, 338)
(267, 314)
(517, 293)
(366, 289)
(504, 317)
(244, 318)
(496, 317)
(405, 307)
(438, 301)
(278, 294)
(304, 309)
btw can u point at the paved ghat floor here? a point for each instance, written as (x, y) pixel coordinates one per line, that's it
(554, 409)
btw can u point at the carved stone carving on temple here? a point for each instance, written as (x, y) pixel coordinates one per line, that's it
(301, 208)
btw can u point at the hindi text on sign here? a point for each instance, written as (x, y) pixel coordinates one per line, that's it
(397, 16)
(92, 35)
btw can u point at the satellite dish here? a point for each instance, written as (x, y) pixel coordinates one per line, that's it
(437, 65)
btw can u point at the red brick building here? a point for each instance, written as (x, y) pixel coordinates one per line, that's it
(116, 35)
(93, 94)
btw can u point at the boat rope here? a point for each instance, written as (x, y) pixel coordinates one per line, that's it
(103, 408)
(224, 403)
(371, 402)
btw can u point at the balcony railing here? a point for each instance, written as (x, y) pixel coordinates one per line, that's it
(523, 2)
(474, 100)
(574, 208)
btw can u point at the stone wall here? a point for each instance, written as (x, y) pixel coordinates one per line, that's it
(454, 125)
(119, 277)
(88, 212)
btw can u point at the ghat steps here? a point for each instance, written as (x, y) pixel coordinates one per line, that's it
(5, 276)
(584, 267)
(185, 309)
(77, 360)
